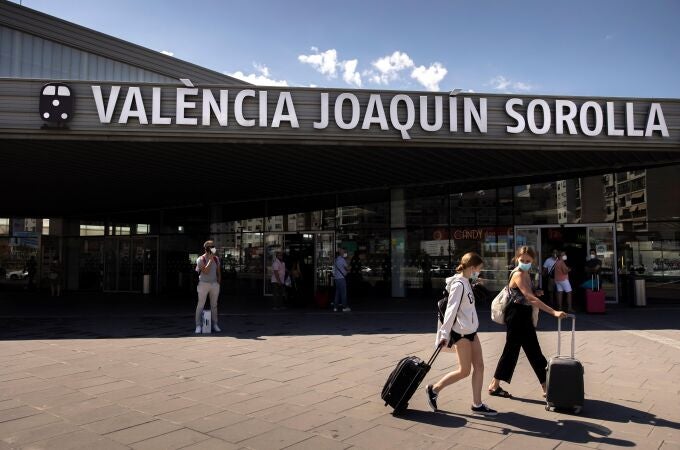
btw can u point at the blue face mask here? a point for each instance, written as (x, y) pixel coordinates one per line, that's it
(524, 266)
(474, 276)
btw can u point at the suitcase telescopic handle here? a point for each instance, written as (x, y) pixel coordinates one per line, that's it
(573, 334)
(434, 355)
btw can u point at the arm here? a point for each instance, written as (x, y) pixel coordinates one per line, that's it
(455, 299)
(524, 284)
(204, 268)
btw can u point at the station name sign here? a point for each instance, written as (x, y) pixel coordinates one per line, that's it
(389, 112)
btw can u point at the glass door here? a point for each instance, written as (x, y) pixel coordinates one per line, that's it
(127, 260)
(323, 261)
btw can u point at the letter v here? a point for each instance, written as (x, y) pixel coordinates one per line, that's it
(105, 117)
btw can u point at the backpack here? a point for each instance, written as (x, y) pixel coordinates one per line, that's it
(500, 302)
(443, 303)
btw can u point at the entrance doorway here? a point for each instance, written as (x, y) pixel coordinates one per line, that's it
(126, 262)
(576, 240)
(309, 261)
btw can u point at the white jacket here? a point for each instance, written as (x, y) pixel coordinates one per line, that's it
(461, 314)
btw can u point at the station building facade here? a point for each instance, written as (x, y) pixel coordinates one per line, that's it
(120, 161)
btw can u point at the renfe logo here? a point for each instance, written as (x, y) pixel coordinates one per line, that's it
(56, 103)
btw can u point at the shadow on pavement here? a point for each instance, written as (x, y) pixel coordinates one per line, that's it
(571, 430)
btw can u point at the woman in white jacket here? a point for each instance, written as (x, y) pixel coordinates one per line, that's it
(460, 329)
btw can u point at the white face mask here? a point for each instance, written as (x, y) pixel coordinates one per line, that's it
(564, 258)
(213, 250)
(474, 276)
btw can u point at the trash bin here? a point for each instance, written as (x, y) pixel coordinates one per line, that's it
(147, 283)
(640, 292)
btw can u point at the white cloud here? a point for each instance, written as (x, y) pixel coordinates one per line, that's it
(165, 52)
(325, 62)
(350, 74)
(500, 83)
(389, 66)
(430, 77)
(261, 79)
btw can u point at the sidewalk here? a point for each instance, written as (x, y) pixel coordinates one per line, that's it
(312, 379)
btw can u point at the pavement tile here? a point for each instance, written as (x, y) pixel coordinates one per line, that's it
(216, 421)
(158, 407)
(190, 414)
(276, 439)
(309, 420)
(380, 437)
(339, 404)
(77, 439)
(17, 413)
(22, 437)
(279, 412)
(173, 440)
(343, 429)
(120, 422)
(107, 387)
(251, 405)
(25, 423)
(318, 443)
(243, 430)
(213, 444)
(88, 416)
(142, 432)
(103, 444)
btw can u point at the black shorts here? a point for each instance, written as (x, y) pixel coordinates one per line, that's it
(455, 337)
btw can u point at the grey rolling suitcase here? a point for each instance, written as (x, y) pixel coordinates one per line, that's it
(564, 385)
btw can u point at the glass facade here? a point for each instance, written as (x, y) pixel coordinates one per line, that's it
(400, 242)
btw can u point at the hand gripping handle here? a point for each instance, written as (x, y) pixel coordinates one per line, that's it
(573, 334)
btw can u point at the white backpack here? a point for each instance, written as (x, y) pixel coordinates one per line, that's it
(500, 302)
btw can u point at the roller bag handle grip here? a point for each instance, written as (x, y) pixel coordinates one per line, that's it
(573, 334)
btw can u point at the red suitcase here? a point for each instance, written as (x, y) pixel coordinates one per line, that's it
(595, 297)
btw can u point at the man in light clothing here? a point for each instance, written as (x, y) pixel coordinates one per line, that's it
(278, 280)
(548, 282)
(209, 279)
(340, 269)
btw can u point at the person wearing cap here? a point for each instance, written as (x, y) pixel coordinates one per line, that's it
(209, 279)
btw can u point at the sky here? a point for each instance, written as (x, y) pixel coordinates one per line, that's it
(591, 48)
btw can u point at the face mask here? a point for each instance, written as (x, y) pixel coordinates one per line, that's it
(592, 256)
(564, 258)
(344, 255)
(213, 250)
(524, 266)
(474, 276)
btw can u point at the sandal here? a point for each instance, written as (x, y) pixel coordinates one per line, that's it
(500, 392)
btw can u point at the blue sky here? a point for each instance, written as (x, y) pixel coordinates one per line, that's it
(592, 48)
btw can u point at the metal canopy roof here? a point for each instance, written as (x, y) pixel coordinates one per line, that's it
(55, 178)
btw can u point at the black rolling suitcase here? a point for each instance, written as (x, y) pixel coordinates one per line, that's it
(564, 386)
(404, 380)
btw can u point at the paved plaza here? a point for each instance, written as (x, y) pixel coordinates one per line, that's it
(311, 380)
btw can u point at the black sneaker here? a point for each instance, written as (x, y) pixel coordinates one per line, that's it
(431, 397)
(484, 410)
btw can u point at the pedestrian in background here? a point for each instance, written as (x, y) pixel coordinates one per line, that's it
(209, 280)
(562, 284)
(340, 270)
(278, 280)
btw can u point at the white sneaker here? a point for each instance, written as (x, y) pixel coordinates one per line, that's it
(346, 309)
(216, 329)
(335, 309)
(198, 330)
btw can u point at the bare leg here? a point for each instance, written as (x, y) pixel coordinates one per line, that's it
(464, 352)
(477, 371)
